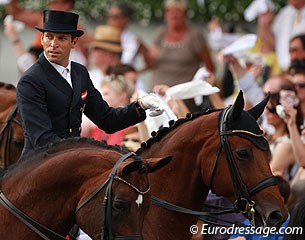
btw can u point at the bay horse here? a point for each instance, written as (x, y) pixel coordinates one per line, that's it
(69, 182)
(223, 150)
(11, 132)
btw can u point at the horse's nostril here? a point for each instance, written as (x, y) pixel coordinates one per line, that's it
(275, 219)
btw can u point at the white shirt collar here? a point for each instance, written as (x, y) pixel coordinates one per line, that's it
(61, 70)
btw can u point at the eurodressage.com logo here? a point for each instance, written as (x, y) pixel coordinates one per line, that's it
(249, 230)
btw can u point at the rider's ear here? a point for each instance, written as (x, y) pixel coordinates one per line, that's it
(237, 107)
(258, 109)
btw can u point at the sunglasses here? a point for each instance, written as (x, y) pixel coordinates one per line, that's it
(294, 49)
(299, 85)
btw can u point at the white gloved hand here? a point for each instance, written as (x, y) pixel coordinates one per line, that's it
(151, 102)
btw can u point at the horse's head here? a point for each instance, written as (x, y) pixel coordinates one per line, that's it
(11, 132)
(241, 171)
(125, 203)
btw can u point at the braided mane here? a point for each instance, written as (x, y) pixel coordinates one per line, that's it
(40, 154)
(157, 136)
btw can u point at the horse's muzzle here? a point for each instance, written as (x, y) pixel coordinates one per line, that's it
(275, 219)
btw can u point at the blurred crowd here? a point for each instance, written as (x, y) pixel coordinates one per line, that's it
(271, 60)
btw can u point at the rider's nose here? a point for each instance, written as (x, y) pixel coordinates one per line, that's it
(54, 43)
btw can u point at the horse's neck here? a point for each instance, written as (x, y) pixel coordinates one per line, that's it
(181, 178)
(181, 181)
(57, 182)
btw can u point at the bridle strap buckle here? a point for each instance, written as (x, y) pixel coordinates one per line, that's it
(244, 205)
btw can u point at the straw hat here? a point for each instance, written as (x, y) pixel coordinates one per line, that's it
(108, 38)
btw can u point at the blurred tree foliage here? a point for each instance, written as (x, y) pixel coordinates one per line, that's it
(148, 11)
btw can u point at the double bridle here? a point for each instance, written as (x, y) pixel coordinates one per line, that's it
(7, 128)
(107, 231)
(243, 204)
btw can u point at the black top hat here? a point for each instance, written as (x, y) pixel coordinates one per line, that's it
(60, 22)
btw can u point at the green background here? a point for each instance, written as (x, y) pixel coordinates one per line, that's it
(148, 11)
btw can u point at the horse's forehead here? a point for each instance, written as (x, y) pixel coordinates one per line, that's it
(123, 164)
(248, 124)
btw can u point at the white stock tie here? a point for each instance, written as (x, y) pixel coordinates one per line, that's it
(65, 73)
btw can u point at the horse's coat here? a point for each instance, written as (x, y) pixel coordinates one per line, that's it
(52, 183)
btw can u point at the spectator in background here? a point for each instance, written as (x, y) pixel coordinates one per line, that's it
(297, 150)
(264, 48)
(178, 49)
(105, 51)
(120, 15)
(126, 70)
(33, 18)
(117, 92)
(279, 86)
(219, 37)
(246, 80)
(282, 163)
(297, 47)
(253, 92)
(297, 71)
(25, 57)
(289, 22)
(177, 106)
(132, 139)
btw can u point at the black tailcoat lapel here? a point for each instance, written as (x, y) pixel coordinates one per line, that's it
(77, 85)
(54, 77)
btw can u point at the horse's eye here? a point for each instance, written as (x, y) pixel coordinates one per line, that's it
(244, 154)
(120, 205)
(18, 142)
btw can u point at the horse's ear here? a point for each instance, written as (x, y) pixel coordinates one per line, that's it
(258, 109)
(154, 164)
(237, 107)
(131, 166)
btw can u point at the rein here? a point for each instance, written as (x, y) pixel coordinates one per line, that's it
(8, 126)
(29, 222)
(243, 204)
(107, 231)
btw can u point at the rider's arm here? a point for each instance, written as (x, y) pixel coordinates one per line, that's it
(29, 17)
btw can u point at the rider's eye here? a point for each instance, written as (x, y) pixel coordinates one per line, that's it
(120, 205)
(244, 154)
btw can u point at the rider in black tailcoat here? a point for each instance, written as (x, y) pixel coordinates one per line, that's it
(51, 103)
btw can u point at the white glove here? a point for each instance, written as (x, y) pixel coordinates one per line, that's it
(151, 102)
